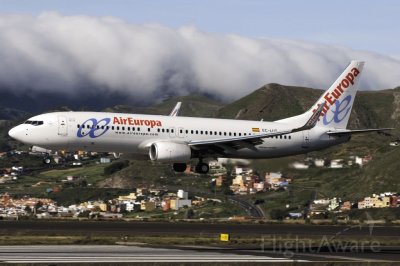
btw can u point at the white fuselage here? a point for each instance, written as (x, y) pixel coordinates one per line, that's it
(134, 133)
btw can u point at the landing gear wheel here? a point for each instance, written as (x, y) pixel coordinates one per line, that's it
(202, 168)
(47, 160)
(179, 167)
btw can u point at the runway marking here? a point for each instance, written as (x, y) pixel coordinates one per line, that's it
(119, 254)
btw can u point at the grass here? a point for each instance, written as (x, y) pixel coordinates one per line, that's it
(262, 241)
(92, 173)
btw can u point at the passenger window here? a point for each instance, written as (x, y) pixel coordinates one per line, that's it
(197, 132)
(88, 126)
(129, 128)
(234, 134)
(201, 132)
(112, 127)
(158, 130)
(148, 129)
(205, 132)
(167, 130)
(163, 130)
(191, 131)
(117, 127)
(138, 129)
(123, 128)
(187, 131)
(77, 125)
(230, 133)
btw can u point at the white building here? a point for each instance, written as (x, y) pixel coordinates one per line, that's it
(319, 162)
(182, 194)
(300, 166)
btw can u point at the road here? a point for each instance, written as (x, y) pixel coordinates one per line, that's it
(253, 211)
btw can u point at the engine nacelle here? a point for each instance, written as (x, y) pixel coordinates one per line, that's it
(170, 152)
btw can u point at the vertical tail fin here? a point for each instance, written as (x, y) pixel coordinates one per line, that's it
(339, 98)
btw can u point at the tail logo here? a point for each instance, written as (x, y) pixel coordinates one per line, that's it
(340, 111)
(332, 97)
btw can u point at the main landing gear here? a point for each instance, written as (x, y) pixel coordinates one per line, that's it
(179, 167)
(47, 159)
(201, 168)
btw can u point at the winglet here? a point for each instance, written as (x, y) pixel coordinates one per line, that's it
(177, 108)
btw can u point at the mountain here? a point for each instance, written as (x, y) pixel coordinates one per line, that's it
(193, 105)
(274, 101)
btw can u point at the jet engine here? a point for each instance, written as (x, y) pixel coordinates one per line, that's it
(170, 152)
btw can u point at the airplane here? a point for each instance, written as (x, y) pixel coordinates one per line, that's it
(176, 140)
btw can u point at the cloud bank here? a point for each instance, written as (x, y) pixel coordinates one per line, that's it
(71, 54)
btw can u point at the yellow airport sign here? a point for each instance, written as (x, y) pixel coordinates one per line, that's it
(224, 237)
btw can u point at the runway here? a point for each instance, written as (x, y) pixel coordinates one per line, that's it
(123, 254)
(192, 229)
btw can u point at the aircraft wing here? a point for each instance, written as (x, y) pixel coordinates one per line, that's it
(356, 131)
(251, 140)
(176, 110)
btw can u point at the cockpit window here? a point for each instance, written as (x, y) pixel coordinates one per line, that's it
(34, 123)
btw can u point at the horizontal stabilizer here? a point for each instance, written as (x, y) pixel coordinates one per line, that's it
(357, 131)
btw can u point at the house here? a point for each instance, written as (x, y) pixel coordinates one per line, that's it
(346, 206)
(219, 181)
(147, 205)
(337, 163)
(299, 166)
(182, 194)
(131, 196)
(176, 204)
(319, 162)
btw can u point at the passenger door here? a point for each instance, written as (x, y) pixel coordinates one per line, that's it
(62, 126)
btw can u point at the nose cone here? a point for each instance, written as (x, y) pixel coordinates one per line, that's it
(12, 132)
(16, 133)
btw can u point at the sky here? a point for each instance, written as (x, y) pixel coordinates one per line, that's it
(227, 48)
(359, 24)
